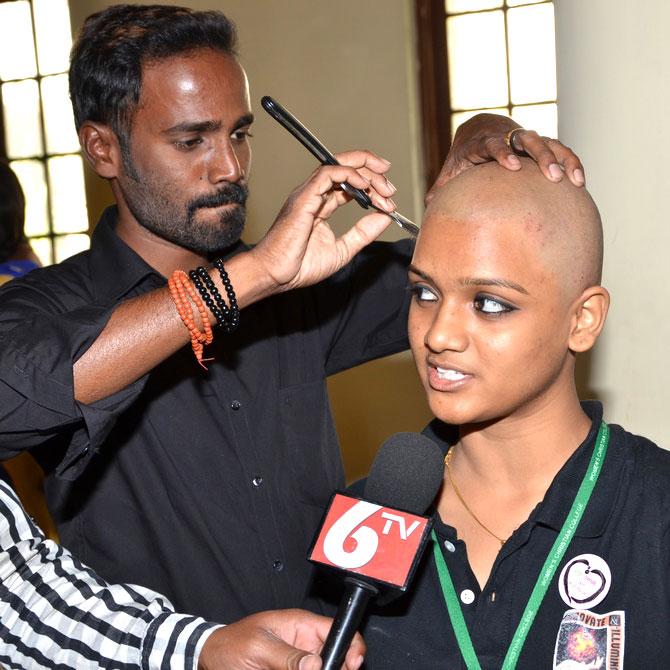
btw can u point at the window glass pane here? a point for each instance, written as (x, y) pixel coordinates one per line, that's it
(461, 117)
(69, 245)
(54, 35)
(532, 53)
(515, 3)
(477, 60)
(21, 107)
(542, 118)
(454, 6)
(42, 247)
(68, 198)
(58, 116)
(33, 182)
(17, 48)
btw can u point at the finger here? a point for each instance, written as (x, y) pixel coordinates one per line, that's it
(569, 160)
(379, 182)
(359, 159)
(538, 149)
(356, 654)
(329, 177)
(366, 230)
(495, 147)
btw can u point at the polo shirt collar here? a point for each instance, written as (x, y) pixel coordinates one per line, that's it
(558, 499)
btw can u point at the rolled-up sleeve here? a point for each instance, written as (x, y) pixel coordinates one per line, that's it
(40, 340)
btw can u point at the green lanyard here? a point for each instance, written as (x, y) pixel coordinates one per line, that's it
(546, 574)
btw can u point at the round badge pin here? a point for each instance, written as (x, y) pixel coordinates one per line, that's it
(584, 581)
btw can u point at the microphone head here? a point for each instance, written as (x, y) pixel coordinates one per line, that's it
(406, 473)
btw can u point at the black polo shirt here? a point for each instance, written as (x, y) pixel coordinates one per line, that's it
(617, 567)
(205, 486)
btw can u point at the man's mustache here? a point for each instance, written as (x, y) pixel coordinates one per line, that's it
(230, 194)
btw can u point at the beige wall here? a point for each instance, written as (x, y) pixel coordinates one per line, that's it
(614, 102)
(347, 69)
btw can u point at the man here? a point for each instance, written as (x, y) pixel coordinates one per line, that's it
(549, 521)
(56, 612)
(204, 486)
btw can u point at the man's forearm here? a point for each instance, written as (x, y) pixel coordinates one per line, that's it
(144, 331)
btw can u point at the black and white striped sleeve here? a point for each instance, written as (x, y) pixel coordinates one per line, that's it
(56, 613)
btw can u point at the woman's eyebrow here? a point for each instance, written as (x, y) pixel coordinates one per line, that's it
(493, 281)
(423, 275)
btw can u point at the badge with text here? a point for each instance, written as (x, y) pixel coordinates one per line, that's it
(367, 539)
(584, 581)
(588, 641)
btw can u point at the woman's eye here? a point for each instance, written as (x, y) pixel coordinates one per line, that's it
(489, 305)
(423, 294)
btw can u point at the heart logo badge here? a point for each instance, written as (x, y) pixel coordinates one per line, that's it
(584, 581)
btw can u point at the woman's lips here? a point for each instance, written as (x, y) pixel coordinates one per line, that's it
(446, 379)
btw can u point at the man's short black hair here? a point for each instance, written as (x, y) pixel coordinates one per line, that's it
(114, 44)
(12, 212)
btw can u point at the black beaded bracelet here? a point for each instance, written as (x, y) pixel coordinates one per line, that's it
(234, 315)
(227, 317)
(215, 309)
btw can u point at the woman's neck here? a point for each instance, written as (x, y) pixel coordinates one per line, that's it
(524, 452)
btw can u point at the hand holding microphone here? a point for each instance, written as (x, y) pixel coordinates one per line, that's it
(376, 543)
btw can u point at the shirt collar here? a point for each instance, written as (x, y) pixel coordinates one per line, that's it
(117, 270)
(563, 490)
(561, 493)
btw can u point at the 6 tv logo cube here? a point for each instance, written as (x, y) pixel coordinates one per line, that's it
(370, 540)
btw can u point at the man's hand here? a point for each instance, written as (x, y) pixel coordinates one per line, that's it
(278, 640)
(482, 139)
(301, 249)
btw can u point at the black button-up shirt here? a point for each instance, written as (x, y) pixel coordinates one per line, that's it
(626, 524)
(205, 486)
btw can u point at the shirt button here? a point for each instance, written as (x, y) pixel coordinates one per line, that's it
(257, 481)
(277, 566)
(235, 405)
(449, 546)
(467, 597)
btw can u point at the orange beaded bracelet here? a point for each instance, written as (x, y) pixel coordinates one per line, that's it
(181, 289)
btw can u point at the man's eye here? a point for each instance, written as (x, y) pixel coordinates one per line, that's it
(188, 144)
(242, 134)
(489, 305)
(423, 294)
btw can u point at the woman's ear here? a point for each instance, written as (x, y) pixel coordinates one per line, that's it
(101, 148)
(588, 318)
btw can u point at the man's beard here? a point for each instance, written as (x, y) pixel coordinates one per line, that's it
(153, 208)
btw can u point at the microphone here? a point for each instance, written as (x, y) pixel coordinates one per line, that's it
(377, 541)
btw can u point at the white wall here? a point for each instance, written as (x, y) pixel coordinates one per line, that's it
(614, 109)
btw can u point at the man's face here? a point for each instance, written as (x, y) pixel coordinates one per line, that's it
(489, 323)
(189, 151)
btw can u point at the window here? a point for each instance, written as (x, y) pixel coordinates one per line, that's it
(38, 137)
(484, 55)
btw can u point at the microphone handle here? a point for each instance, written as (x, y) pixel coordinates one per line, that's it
(349, 614)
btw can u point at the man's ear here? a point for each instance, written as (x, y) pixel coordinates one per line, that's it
(101, 148)
(588, 318)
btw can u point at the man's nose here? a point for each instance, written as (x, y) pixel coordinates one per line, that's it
(225, 164)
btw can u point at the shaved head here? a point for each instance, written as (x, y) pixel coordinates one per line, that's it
(557, 223)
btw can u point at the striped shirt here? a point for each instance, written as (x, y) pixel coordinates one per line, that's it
(56, 613)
